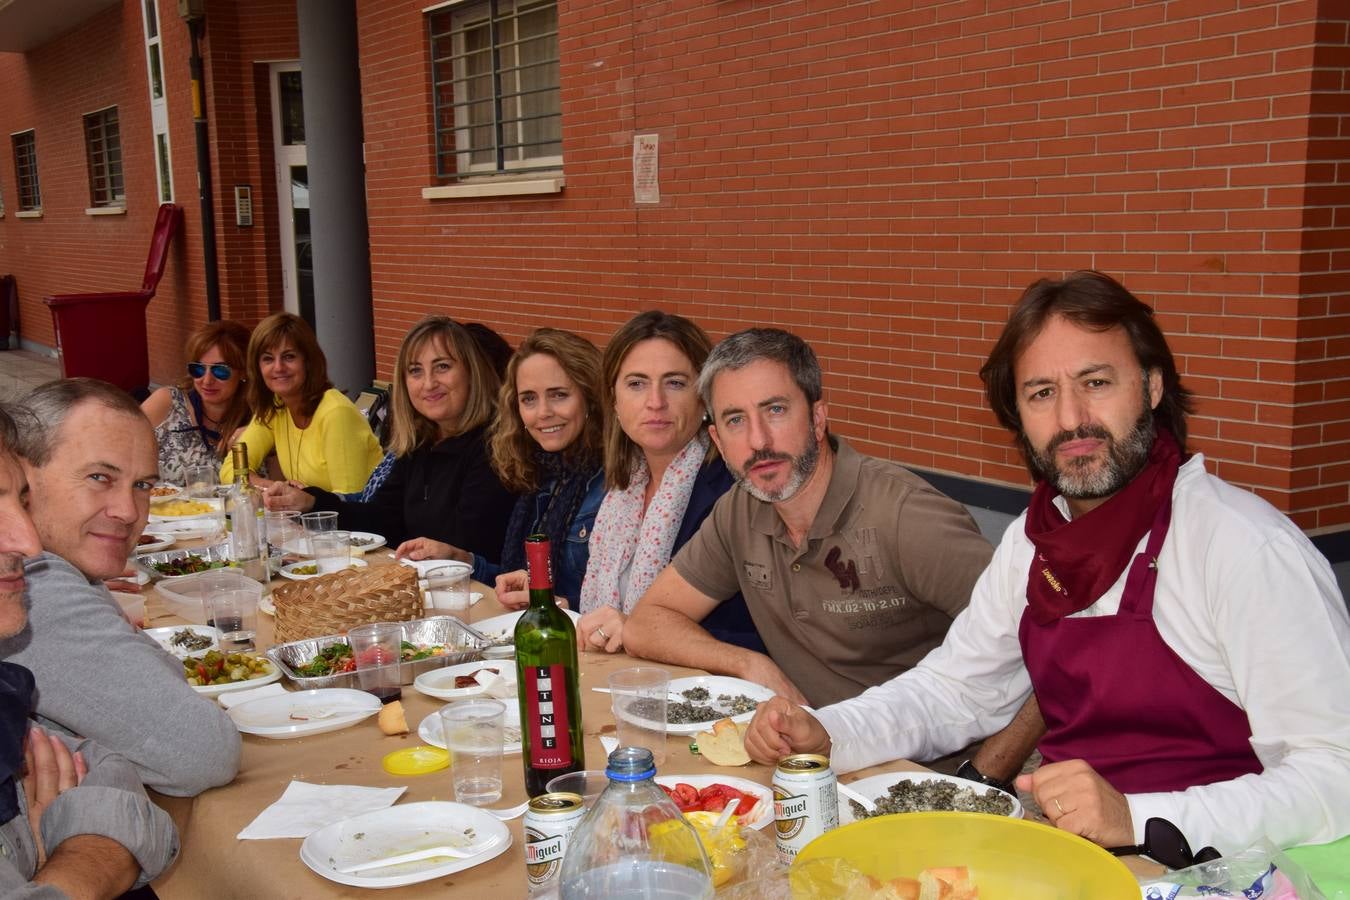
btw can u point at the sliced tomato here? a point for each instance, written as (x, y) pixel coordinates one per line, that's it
(684, 795)
(713, 803)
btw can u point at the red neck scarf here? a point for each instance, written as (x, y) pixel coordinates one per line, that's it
(1077, 561)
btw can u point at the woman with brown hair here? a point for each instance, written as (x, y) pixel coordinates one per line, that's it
(441, 500)
(548, 446)
(663, 476)
(195, 418)
(319, 436)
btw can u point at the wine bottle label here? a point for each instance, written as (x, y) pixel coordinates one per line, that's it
(546, 703)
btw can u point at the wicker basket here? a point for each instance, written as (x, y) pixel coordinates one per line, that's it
(333, 604)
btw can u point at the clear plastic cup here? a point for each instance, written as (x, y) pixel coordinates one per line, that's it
(473, 731)
(332, 551)
(235, 615)
(447, 589)
(377, 650)
(588, 784)
(638, 697)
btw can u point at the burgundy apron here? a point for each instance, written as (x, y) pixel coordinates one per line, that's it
(1115, 695)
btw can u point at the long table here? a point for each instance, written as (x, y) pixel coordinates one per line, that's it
(214, 863)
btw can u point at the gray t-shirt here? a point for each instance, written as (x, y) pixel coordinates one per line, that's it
(886, 566)
(100, 678)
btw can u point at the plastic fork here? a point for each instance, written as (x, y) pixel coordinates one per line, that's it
(416, 856)
(867, 803)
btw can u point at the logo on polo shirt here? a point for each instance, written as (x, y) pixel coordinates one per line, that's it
(758, 575)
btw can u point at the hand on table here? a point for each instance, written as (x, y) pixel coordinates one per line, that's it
(601, 629)
(287, 495)
(1075, 798)
(426, 548)
(780, 728)
(49, 769)
(761, 670)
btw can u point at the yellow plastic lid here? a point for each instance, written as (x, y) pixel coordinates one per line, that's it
(416, 760)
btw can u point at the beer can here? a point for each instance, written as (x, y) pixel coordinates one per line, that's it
(805, 802)
(550, 820)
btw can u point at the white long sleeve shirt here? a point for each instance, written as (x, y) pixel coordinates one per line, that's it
(1242, 597)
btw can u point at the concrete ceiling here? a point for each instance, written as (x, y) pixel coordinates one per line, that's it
(27, 24)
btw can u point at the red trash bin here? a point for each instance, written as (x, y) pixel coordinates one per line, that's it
(102, 335)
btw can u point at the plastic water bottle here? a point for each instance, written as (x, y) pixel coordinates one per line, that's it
(634, 843)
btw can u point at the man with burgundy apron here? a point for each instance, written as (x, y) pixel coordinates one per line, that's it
(1187, 646)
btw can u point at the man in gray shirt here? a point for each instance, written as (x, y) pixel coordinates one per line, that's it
(74, 819)
(90, 458)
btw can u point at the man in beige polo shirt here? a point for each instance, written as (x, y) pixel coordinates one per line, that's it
(852, 567)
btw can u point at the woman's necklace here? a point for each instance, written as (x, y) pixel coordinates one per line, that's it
(297, 446)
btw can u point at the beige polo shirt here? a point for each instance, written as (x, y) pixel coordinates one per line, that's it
(886, 566)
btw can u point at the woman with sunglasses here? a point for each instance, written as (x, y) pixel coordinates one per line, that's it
(319, 436)
(441, 491)
(195, 418)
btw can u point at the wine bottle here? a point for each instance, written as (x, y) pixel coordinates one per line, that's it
(547, 673)
(244, 517)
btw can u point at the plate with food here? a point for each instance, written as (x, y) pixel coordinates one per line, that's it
(301, 713)
(900, 792)
(164, 492)
(151, 541)
(364, 541)
(711, 793)
(502, 629)
(423, 566)
(305, 569)
(460, 682)
(400, 829)
(184, 640)
(695, 704)
(429, 730)
(215, 673)
(188, 562)
(179, 509)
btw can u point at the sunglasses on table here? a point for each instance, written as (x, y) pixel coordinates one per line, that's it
(219, 371)
(1164, 843)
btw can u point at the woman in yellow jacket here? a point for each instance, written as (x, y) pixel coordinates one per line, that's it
(319, 436)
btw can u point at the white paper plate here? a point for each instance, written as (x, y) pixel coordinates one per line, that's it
(266, 607)
(215, 505)
(288, 570)
(187, 529)
(716, 684)
(429, 730)
(423, 566)
(376, 541)
(499, 629)
(212, 690)
(403, 829)
(877, 786)
(163, 541)
(318, 711)
(163, 492)
(163, 635)
(762, 814)
(440, 683)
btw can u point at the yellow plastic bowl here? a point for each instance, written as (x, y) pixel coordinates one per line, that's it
(1009, 859)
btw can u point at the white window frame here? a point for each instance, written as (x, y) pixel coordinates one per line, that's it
(159, 111)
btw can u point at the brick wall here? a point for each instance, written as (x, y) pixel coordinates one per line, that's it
(885, 178)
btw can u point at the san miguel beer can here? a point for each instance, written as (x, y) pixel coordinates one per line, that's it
(550, 820)
(805, 802)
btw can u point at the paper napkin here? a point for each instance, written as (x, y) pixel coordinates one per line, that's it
(305, 808)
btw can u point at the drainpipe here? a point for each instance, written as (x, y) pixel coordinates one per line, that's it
(194, 19)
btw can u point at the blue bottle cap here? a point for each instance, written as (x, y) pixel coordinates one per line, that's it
(631, 764)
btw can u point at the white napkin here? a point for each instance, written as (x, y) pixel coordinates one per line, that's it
(231, 699)
(496, 686)
(610, 744)
(305, 808)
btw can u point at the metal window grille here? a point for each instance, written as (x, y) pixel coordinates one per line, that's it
(26, 170)
(495, 87)
(103, 146)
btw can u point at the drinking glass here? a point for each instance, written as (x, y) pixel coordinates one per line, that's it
(447, 589)
(376, 648)
(638, 696)
(332, 550)
(235, 614)
(317, 523)
(202, 482)
(283, 530)
(473, 731)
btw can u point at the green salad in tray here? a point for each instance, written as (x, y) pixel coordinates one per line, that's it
(333, 660)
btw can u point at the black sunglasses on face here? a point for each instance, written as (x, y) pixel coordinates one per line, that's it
(1164, 843)
(220, 371)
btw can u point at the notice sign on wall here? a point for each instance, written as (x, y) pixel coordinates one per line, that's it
(646, 179)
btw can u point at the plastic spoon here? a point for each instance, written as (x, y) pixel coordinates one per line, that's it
(416, 855)
(851, 794)
(725, 817)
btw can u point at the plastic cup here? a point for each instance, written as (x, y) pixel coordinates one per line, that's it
(201, 481)
(638, 696)
(376, 649)
(473, 735)
(235, 614)
(283, 529)
(316, 523)
(588, 784)
(332, 550)
(447, 589)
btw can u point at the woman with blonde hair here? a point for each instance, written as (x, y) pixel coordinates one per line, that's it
(548, 446)
(663, 476)
(195, 418)
(319, 436)
(441, 500)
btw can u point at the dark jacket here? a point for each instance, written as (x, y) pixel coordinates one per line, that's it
(730, 621)
(446, 491)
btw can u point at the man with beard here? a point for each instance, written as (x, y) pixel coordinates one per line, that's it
(852, 568)
(1186, 644)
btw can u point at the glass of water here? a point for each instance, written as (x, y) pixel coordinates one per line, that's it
(474, 730)
(235, 615)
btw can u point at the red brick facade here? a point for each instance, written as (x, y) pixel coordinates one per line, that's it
(882, 177)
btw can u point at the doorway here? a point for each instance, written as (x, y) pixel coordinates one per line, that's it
(292, 173)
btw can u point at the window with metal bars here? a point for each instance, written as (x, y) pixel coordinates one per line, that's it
(495, 87)
(26, 170)
(103, 147)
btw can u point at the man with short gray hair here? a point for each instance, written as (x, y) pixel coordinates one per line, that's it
(852, 567)
(90, 457)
